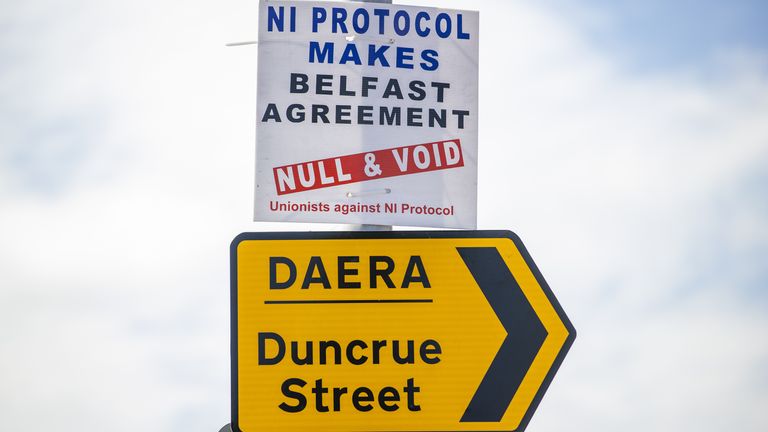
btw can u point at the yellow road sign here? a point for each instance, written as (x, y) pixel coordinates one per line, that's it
(390, 331)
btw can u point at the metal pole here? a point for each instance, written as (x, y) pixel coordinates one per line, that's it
(369, 227)
(349, 227)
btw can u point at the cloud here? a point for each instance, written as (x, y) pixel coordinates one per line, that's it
(640, 198)
(126, 168)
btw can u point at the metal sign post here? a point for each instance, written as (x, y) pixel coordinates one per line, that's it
(370, 227)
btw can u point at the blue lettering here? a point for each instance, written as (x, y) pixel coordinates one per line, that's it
(339, 16)
(275, 18)
(404, 55)
(430, 60)
(361, 28)
(422, 16)
(319, 15)
(459, 28)
(377, 54)
(446, 19)
(381, 13)
(350, 54)
(323, 56)
(402, 22)
(460, 34)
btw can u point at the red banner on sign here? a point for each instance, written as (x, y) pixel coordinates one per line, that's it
(392, 162)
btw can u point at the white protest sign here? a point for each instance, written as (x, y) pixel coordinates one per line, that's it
(367, 114)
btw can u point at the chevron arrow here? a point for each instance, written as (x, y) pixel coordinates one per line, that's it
(525, 334)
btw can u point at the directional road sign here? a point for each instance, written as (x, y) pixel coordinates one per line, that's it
(390, 331)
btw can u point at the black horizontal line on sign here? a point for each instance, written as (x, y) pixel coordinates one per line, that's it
(283, 302)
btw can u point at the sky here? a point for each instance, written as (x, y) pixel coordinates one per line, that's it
(625, 142)
(657, 35)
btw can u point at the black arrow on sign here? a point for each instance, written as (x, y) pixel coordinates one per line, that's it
(525, 334)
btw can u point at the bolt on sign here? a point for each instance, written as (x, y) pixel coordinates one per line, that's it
(390, 331)
(366, 113)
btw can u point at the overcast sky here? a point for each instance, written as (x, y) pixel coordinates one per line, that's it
(625, 142)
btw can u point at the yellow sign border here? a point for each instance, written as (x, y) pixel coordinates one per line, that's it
(560, 332)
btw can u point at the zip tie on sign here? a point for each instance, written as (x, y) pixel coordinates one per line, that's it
(352, 38)
(368, 193)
